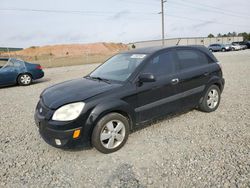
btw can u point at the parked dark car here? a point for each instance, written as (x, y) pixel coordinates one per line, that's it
(219, 47)
(14, 71)
(247, 43)
(243, 45)
(126, 92)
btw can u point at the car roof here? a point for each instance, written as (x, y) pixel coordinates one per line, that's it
(151, 50)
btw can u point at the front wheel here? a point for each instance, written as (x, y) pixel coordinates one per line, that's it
(211, 99)
(223, 50)
(24, 79)
(110, 133)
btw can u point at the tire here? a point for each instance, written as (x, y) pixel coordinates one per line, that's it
(211, 100)
(114, 128)
(233, 49)
(210, 50)
(223, 50)
(24, 79)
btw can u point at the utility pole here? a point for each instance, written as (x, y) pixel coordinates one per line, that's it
(162, 20)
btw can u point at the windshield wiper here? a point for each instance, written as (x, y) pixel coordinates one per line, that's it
(99, 78)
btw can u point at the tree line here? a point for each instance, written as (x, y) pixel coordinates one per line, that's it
(245, 35)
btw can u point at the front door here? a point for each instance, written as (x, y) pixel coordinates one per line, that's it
(8, 72)
(160, 97)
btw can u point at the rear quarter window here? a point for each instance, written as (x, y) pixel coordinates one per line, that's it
(191, 58)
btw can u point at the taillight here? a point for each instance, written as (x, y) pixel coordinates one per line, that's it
(39, 67)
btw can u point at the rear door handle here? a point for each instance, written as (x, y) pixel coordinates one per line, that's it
(206, 73)
(175, 81)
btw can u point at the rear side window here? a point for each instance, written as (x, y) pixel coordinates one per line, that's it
(191, 58)
(161, 65)
(17, 63)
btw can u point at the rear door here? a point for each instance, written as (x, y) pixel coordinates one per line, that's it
(194, 74)
(158, 98)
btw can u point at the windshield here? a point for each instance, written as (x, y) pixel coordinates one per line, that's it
(119, 67)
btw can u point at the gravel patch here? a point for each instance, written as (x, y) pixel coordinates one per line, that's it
(192, 149)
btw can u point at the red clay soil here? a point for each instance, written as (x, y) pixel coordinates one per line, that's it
(72, 49)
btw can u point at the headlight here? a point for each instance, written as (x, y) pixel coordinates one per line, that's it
(68, 112)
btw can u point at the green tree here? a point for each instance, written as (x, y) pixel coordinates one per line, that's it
(210, 35)
(246, 36)
(229, 34)
(234, 34)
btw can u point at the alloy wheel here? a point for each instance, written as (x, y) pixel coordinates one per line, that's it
(213, 99)
(25, 79)
(112, 134)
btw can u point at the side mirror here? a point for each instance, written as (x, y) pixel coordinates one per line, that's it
(147, 77)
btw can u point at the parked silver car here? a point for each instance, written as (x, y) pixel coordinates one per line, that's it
(219, 47)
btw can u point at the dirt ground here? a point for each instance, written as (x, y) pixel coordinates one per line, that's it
(67, 54)
(192, 149)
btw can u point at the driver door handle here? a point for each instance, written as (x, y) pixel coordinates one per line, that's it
(175, 81)
(206, 73)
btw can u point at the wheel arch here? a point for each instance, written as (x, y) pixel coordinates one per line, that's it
(102, 109)
(114, 106)
(215, 81)
(22, 73)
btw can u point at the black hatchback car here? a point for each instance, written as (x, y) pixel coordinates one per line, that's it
(125, 92)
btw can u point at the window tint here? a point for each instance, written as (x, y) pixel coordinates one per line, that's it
(161, 65)
(191, 58)
(17, 63)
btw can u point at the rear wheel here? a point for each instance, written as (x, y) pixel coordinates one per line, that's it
(211, 99)
(210, 50)
(24, 79)
(223, 50)
(110, 133)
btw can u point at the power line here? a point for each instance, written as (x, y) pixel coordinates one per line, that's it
(220, 23)
(196, 5)
(109, 12)
(69, 11)
(207, 9)
(214, 7)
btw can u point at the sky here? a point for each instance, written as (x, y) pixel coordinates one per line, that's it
(26, 23)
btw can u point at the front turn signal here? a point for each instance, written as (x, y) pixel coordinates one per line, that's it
(76, 133)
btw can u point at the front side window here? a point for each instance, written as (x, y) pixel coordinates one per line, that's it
(119, 67)
(3, 62)
(191, 58)
(161, 65)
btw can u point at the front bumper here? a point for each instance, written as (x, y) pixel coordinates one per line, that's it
(58, 134)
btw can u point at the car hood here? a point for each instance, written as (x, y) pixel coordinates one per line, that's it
(74, 91)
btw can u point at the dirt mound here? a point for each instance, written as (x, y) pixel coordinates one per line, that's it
(72, 49)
